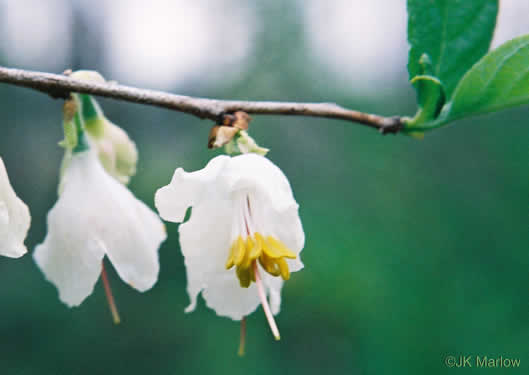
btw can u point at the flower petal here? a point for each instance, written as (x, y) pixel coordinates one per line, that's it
(257, 174)
(14, 218)
(187, 189)
(225, 295)
(72, 267)
(96, 215)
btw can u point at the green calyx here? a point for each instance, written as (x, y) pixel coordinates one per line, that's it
(70, 135)
(94, 120)
(74, 135)
(82, 142)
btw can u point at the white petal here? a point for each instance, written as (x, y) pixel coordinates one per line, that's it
(187, 189)
(96, 215)
(228, 299)
(257, 174)
(73, 267)
(14, 218)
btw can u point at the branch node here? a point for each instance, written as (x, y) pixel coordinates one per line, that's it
(56, 93)
(238, 119)
(392, 126)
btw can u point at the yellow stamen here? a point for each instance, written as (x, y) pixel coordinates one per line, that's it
(254, 249)
(240, 251)
(229, 262)
(270, 252)
(283, 268)
(244, 276)
(285, 251)
(269, 265)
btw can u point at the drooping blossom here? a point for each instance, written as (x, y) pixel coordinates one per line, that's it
(243, 237)
(96, 216)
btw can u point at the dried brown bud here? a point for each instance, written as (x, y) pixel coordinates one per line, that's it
(238, 120)
(219, 135)
(241, 120)
(227, 120)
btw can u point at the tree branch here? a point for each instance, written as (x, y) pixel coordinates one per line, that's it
(60, 86)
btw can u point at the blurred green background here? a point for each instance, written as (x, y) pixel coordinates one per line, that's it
(415, 250)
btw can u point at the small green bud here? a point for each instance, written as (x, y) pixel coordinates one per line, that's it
(117, 152)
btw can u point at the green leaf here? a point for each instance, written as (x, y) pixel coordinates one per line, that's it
(499, 80)
(431, 98)
(430, 94)
(454, 33)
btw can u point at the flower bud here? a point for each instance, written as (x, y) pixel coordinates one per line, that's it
(220, 135)
(117, 152)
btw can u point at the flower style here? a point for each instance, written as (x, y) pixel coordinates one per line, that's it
(95, 216)
(244, 216)
(14, 219)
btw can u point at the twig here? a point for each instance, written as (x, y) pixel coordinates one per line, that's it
(60, 86)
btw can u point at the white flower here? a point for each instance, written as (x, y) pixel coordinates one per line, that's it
(95, 216)
(14, 219)
(243, 215)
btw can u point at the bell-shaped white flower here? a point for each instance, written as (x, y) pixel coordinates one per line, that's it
(244, 227)
(14, 219)
(95, 216)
